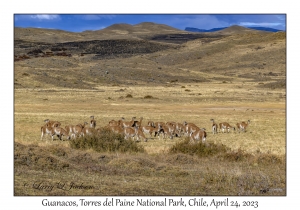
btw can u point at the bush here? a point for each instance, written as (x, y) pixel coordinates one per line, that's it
(148, 97)
(174, 80)
(200, 149)
(221, 153)
(106, 141)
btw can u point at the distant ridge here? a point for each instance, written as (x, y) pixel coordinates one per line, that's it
(144, 30)
(144, 27)
(115, 31)
(191, 29)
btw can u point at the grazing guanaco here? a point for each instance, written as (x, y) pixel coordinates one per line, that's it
(214, 126)
(140, 135)
(224, 126)
(74, 130)
(130, 132)
(150, 130)
(151, 123)
(198, 135)
(138, 123)
(47, 128)
(87, 130)
(117, 129)
(180, 129)
(60, 132)
(242, 126)
(92, 122)
(52, 123)
(114, 123)
(125, 124)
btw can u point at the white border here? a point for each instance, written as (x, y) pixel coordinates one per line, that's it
(11, 7)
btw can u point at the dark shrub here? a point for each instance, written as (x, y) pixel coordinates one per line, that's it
(199, 148)
(106, 141)
(148, 97)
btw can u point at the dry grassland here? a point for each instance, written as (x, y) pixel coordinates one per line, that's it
(199, 105)
(156, 171)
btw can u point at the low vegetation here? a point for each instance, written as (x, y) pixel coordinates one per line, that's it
(204, 170)
(148, 97)
(128, 96)
(105, 141)
(222, 152)
(200, 149)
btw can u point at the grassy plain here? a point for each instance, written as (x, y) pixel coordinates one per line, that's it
(265, 135)
(234, 79)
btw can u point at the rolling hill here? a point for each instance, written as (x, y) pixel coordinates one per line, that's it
(146, 53)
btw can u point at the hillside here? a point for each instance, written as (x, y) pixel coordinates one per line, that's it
(115, 31)
(141, 28)
(154, 58)
(235, 29)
